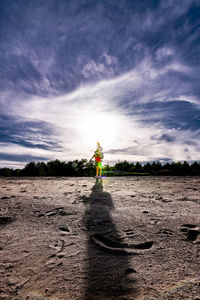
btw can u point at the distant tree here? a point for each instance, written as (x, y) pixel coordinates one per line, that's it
(87, 168)
(6, 172)
(195, 168)
(138, 167)
(186, 170)
(90, 168)
(56, 168)
(147, 168)
(122, 166)
(79, 167)
(30, 169)
(70, 171)
(17, 172)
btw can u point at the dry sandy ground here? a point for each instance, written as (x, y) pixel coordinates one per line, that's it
(119, 238)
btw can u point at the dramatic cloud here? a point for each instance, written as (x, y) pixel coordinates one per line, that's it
(123, 73)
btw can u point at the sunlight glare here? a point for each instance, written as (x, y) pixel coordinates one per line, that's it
(102, 127)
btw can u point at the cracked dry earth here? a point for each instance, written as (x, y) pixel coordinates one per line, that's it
(81, 238)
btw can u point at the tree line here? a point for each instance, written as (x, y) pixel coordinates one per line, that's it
(84, 167)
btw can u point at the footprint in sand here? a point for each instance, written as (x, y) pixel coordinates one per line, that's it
(56, 211)
(191, 230)
(58, 246)
(64, 229)
(6, 220)
(130, 232)
(67, 193)
(154, 221)
(166, 231)
(118, 248)
(132, 280)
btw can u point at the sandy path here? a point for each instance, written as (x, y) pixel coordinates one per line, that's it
(122, 238)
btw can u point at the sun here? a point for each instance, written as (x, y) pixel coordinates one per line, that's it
(102, 127)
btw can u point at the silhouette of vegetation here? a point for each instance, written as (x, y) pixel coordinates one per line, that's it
(84, 167)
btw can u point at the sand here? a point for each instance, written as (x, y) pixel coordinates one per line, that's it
(78, 238)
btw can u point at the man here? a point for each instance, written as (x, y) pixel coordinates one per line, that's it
(98, 155)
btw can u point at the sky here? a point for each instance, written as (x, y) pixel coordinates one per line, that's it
(74, 72)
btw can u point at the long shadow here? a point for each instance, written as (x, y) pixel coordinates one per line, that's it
(109, 275)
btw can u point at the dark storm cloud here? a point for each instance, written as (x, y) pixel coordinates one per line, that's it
(52, 46)
(127, 150)
(167, 138)
(26, 133)
(136, 150)
(172, 114)
(191, 143)
(21, 158)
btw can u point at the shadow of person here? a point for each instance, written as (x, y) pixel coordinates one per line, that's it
(109, 275)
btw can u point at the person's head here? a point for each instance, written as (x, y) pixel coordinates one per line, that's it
(98, 144)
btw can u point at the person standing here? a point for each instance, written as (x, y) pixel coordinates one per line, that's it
(98, 155)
